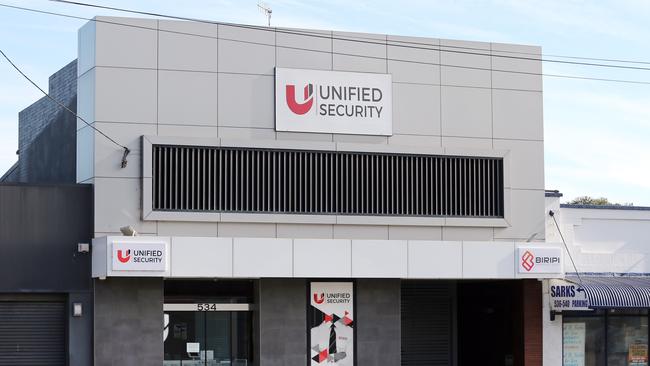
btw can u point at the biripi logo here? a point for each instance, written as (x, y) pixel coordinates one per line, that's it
(319, 299)
(527, 261)
(124, 258)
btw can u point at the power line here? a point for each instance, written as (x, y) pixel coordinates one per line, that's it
(356, 39)
(576, 77)
(552, 214)
(126, 149)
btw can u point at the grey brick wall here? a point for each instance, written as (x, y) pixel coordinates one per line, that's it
(33, 120)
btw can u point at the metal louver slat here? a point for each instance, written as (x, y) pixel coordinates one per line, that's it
(229, 179)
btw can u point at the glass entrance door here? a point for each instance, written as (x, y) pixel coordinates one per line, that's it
(207, 335)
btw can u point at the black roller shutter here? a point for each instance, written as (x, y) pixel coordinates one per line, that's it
(32, 333)
(427, 327)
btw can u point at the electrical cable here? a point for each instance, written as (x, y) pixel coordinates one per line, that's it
(356, 39)
(126, 149)
(338, 53)
(552, 214)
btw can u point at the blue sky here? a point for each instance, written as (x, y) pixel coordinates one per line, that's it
(596, 133)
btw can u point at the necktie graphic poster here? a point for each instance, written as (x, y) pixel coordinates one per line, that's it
(331, 323)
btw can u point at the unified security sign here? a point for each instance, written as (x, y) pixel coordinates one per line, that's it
(331, 323)
(333, 102)
(539, 260)
(139, 256)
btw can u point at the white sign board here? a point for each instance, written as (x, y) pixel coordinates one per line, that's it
(139, 256)
(193, 347)
(331, 324)
(539, 259)
(567, 295)
(333, 102)
(573, 344)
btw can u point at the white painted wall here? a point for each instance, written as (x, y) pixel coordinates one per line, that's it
(212, 257)
(603, 240)
(153, 78)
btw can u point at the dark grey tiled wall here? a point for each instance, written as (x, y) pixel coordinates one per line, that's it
(129, 322)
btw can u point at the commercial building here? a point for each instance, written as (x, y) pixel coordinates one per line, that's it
(312, 197)
(600, 312)
(45, 287)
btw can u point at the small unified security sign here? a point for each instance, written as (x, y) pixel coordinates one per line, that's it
(139, 256)
(333, 102)
(566, 295)
(539, 260)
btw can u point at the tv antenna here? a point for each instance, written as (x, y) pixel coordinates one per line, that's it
(266, 9)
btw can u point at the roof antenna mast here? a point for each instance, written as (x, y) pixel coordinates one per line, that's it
(266, 9)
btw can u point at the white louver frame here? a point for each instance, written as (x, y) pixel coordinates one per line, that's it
(315, 182)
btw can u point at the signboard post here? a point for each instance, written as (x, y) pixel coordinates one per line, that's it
(333, 102)
(331, 323)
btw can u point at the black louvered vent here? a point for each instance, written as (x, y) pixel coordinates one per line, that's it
(32, 333)
(427, 330)
(219, 179)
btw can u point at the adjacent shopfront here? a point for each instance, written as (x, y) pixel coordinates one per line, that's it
(598, 314)
(604, 319)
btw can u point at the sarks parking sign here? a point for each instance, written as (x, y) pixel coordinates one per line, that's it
(333, 102)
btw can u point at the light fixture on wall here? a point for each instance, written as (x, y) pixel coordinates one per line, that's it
(83, 247)
(128, 231)
(77, 309)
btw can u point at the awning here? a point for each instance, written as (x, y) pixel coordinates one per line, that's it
(615, 292)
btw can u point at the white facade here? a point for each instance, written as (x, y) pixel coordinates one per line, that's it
(602, 241)
(218, 257)
(157, 79)
(149, 83)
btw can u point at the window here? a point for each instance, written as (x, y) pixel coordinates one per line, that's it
(208, 338)
(627, 338)
(208, 323)
(583, 338)
(606, 338)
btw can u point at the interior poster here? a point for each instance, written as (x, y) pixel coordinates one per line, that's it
(637, 354)
(573, 344)
(331, 324)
